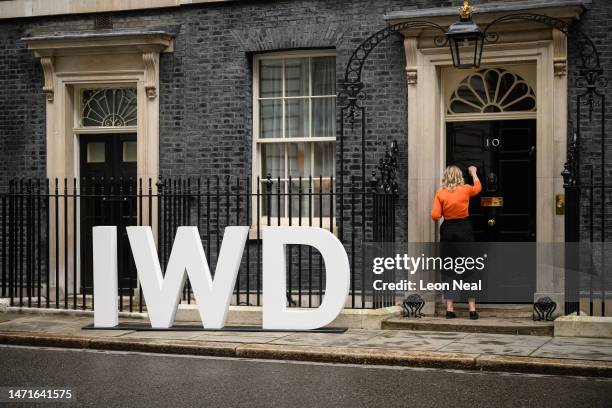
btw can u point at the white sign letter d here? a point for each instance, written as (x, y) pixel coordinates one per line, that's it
(276, 315)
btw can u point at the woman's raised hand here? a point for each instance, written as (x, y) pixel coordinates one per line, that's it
(472, 170)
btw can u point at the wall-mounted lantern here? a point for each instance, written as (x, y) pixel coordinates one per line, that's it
(465, 39)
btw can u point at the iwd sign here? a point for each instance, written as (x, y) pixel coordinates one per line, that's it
(162, 292)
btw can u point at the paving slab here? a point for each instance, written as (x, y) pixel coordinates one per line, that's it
(167, 335)
(493, 325)
(236, 338)
(404, 343)
(437, 335)
(504, 340)
(65, 327)
(507, 350)
(577, 352)
(222, 333)
(327, 339)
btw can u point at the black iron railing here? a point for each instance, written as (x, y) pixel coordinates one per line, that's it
(588, 271)
(46, 239)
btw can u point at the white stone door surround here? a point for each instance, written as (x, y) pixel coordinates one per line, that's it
(70, 62)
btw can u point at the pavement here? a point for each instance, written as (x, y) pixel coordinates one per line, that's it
(129, 379)
(451, 350)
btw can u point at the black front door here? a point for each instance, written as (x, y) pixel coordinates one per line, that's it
(504, 151)
(108, 197)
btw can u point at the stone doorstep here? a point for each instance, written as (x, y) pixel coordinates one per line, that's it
(345, 355)
(583, 326)
(240, 315)
(508, 310)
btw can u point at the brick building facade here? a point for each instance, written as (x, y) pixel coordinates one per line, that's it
(204, 95)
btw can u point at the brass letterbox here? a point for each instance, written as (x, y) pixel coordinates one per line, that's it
(491, 201)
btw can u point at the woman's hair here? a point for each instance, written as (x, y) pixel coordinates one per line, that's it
(452, 177)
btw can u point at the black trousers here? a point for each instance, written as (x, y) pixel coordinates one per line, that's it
(457, 231)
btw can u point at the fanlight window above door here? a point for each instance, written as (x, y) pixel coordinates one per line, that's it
(492, 90)
(108, 107)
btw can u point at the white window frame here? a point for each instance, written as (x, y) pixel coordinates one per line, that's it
(326, 222)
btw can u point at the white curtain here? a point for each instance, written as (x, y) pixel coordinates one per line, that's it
(324, 109)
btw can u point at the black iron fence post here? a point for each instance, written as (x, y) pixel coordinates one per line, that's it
(572, 252)
(572, 226)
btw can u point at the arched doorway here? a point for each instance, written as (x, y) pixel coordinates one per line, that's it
(491, 123)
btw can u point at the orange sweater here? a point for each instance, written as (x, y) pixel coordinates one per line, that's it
(454, 204)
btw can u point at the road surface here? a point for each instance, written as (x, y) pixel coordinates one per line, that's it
(137, 379)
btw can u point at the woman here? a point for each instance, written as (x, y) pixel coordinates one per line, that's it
(452, 202)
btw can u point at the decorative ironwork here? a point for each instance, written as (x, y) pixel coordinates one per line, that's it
(492, 90)
(386, 181)
(543, 309)
(541, 18)
(352, 94)
(570, 170)
(588, 51)
(352, 91)
(412, 305)
(109, 107)
(591, 79)
(590, 74)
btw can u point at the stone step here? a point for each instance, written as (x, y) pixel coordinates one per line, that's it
(510, 311)
(492, 325)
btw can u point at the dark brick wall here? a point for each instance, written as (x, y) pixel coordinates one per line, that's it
(205, 84)
(596, 207)
(22, 108)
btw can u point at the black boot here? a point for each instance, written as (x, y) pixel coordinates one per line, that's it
(450, 315)
(474, 315)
